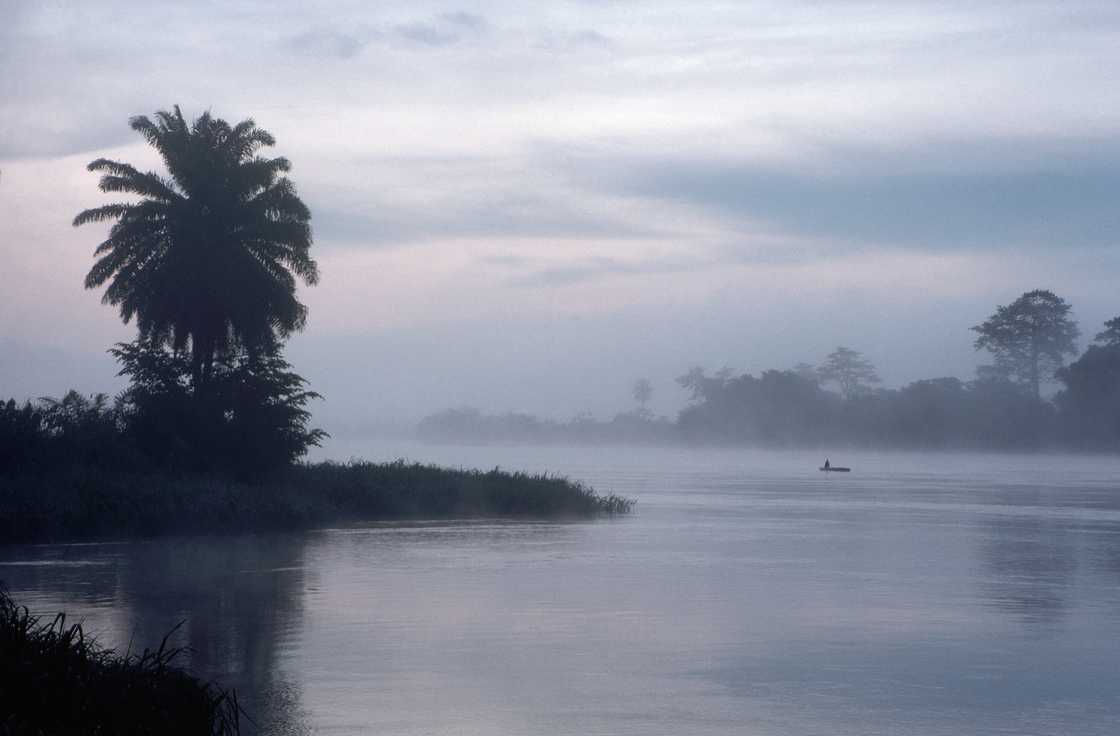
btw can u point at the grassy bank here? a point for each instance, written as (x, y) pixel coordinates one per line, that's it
(55, 680)
(79, 503)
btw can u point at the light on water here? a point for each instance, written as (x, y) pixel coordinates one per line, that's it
(748, 593)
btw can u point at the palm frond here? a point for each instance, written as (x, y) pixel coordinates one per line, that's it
(102, 213)
(211, 254)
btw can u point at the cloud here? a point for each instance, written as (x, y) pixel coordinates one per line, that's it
(591, 269)
(327, 42)
(443, 30)
(972, 194)
(464, 20)
(400, 200)
(25, 137)
(380, 222)
(565, 41)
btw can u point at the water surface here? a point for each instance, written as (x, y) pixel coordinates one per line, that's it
(748, 593)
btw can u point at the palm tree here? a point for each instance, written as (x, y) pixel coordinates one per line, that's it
(208, 258)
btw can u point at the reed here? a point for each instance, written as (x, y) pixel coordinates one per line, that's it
(78, 503)
(54, 679)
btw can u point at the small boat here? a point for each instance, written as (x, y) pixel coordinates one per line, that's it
(836, 469)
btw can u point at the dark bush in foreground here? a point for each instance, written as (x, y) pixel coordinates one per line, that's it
(55, 680)
(83, 503)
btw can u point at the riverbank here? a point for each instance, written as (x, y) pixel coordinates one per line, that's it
(56, 679)
(83, 504)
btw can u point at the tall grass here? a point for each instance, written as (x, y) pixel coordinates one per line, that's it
(54, 679)
(401, 489)
(84, 503)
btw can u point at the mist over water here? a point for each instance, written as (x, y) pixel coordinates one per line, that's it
(921, 594)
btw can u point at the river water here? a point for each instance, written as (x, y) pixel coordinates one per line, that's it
(747, 594)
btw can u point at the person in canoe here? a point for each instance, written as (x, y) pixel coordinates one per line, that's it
(827, 465)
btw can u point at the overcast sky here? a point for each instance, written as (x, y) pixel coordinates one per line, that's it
(526, 206)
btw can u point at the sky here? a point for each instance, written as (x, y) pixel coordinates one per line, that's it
(527, 206)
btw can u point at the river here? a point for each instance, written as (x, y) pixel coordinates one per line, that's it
(748, 593)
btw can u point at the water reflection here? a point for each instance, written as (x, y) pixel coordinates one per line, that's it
(1029, 566)
(238, 601)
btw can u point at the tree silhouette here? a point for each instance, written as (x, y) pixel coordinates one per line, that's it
(808, 371)
(847, 368)
(1091, 399)
(643, 392)
(1030, 337)
(208, 258)
(1110, 335)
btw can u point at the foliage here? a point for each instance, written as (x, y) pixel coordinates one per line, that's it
(700, 385)
(401, 489)
(1003, 414)
(1110, 335)
(1090, 402)
(642, 391)
(850, 371)
(55, 679)
(1030, 337)
(251, 419)
(807, 371)
(22, 437)
(208, 257)
(77, 503)
(73, 430)
(251, 423)
(778, 407)
(788, 408)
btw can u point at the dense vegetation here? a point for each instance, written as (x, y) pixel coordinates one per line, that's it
(56, 680)
(80, 467)
(839, 404)
(249, 424)
(85, 502)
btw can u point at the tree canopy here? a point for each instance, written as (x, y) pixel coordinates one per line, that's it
(1030, 337)
(848, 369)
(207, 258)
(642, 391)
(1110, 335)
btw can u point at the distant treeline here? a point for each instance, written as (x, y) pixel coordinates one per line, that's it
(785, 408)
(473, 426)
(838, 403)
